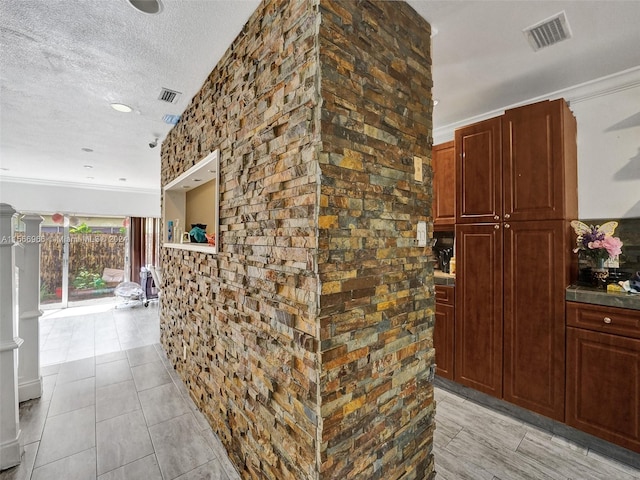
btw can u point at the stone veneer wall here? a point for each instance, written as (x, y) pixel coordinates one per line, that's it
(248, 314)
(308, 336)
(377, 304)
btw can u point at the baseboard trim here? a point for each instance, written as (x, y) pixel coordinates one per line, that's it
(30, 390)
(11, 453)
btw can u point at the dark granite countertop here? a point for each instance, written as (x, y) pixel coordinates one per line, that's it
(600, 297)
(441, 278)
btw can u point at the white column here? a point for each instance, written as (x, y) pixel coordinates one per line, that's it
(10, 446)
(29, 379)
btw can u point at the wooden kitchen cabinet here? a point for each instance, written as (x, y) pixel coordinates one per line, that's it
(444, 186)
(443, 334)
(478, 152)
(539, 164)
(603, 373)
(478, 320)
(535, 264)
(510, 333)
(519, 166)
(516, 181)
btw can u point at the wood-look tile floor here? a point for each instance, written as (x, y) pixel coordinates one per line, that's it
(476, 443)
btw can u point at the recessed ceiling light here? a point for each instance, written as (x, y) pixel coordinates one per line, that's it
(122, 179)
(150, 7)
(435, 102)
(88, 150)
(88, 166)
(121, 107)
(90, 178)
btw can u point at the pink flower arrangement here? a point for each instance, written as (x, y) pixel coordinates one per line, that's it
(597, 242)
(612, 245)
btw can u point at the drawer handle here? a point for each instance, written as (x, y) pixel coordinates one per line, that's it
(607, 320)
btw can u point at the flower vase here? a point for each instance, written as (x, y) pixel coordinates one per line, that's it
(600, 274)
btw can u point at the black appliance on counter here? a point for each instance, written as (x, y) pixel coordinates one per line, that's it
(443, 249)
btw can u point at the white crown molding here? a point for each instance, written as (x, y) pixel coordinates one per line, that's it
(599, 87)
(82, 186)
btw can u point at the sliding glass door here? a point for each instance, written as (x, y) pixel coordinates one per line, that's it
(53, 261)
(82, 258)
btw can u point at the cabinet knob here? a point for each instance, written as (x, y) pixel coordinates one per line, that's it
(607, 320)
(506, 225)
(496, 217)
(507, 216)
(496, 227)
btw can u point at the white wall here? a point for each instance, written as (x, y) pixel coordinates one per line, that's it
(44, 197)
(609, 155)
(608, 115)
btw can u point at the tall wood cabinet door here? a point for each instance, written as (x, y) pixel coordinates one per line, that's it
(478, 150)
(443, 333)
(534, 323)
(444, 184)
(603, 386)
(534, 156)
(478, 316)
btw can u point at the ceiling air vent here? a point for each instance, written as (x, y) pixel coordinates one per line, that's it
(169, 96)
(548, 32)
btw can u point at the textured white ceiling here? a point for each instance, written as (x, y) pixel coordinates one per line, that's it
(62, 62)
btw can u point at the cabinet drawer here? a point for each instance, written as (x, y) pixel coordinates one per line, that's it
(445, 295)
(618, 321)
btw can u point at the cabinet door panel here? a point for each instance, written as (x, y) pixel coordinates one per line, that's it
(534, 325)
(533, 162)
(603, 386)
(444, 184)
(443, 340)
(478, 318)
(443, 334)
(479, 172)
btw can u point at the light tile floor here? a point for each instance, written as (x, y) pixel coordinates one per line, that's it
(114, 409)
(93, 330)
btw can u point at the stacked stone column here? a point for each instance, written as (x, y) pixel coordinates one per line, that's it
(307, 339)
